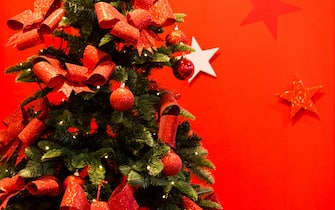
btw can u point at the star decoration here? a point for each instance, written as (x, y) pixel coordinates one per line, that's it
(300, 97)
(268, 12)
(200, 59)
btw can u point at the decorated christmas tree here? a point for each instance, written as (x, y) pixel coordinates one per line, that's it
(99, 133)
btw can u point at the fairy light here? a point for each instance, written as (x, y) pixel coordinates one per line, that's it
(47, 147)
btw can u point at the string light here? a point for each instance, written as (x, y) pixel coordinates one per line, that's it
(47, 147)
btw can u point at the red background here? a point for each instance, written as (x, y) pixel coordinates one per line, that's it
(265, 160)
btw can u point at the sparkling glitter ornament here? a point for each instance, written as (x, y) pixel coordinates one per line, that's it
(122, 99)
(300, 97)
(172, 163)
(176, 37)
(183, 69)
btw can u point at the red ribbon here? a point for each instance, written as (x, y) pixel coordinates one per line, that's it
(122, 198)
(97, 69)
(168, 119)
(21, 132)
(99, 205)
(33, 24)
(11, 186)
(134, 27)
(74, 198)
(189, 204)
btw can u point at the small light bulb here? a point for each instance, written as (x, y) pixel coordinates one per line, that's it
(47, 147)
(61, 122)
(106, 156)
(100, 166)
(164, 196)
(148, 167)
(98, 87)
(196, 153)
(172, 183)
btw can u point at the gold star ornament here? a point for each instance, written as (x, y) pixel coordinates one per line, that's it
(300, 97)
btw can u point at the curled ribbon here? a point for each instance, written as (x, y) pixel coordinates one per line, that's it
(33, 24)
(11, 186)
(134, 27)
(168, 119)
(21, 132)
(98, 67)
(122, 197)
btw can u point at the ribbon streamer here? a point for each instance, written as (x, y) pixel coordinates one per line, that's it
(97, 69)
(21, 132)
(168, 119)
(122, 198)
(134, 27)
(33, 24)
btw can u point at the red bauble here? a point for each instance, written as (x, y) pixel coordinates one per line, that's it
(73, 179)
(122, 99)
(176, 37)
(172, 164)
(183, 69)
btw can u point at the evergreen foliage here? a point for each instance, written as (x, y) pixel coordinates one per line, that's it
(86, 132)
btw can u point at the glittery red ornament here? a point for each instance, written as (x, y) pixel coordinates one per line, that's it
(176, 37)
(183, 69)
(73, 179)
(122, 99)
(172, 163)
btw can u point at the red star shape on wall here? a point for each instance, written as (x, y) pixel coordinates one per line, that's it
(300, 97)
(268, 12)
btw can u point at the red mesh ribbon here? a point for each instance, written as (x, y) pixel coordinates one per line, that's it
(168, 119)
(47, 185)
(21, 132)
(33, 24)
(122, 198)
(189, 204)
(134, 27)
(97, 69)
(74, 198)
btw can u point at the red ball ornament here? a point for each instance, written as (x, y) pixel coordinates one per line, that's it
(172, 164)
(73, 179)
(122, 99)
(183, 69)
(176, 37)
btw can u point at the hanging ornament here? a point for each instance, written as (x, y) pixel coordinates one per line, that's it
(183, 69)
(76, 179)
(172, 164)
(176, 36)
(122, 99)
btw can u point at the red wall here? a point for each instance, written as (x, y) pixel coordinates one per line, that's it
(264, 159)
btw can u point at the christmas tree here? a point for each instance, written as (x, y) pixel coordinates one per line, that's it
(99, 133)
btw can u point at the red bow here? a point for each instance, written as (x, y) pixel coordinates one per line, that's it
(22, 132)
(134, 27)
(33, 24)
(10, 187)
(168, 119)
(97, 69)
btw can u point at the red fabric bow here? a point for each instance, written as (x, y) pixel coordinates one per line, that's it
(11, 186)
(33, 24)
(134, 27)
(168, 119)
(97, 69)
(22, 132)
